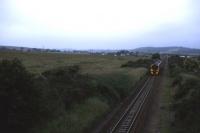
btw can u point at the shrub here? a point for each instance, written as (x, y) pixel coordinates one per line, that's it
(18, 98)
(186, 106)
(71, 86)
(176, 65)
(155, 56)
(139, 63)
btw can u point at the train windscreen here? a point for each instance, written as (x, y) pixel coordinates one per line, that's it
(154, 67)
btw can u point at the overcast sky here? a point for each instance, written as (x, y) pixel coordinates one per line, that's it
(99, 24)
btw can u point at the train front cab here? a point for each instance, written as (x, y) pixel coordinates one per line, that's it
(154, 70)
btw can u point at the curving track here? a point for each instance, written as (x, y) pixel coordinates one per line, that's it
(130, 119)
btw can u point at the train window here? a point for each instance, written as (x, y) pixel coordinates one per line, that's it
(154, 67)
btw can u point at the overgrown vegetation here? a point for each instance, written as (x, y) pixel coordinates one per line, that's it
(185, 72)
(155, 56)
(146, 62)
(19, 99)
(165, 105)
(138, 63)
(179, 64)
(60, 99)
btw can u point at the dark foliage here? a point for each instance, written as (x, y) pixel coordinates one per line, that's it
(108, 94)
(71, 86)
(187, 95)
(139, 63)
(191, 65)
(186, 107)
(155, 56)
(176, 64)
(198, 58)
(28, 101)
(18, 98)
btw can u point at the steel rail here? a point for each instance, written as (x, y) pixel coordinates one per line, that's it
(132, 104)
(140, 108)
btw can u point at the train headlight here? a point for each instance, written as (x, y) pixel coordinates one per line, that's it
(157, 73)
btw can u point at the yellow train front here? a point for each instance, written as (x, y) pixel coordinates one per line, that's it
(155, 68)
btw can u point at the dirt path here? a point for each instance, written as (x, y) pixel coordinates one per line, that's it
(152, 124)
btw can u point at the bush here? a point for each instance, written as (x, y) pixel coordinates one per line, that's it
(186, 106)
(187, 94)
(71, 86)
(18, 98)
(191, 65)
(155, 56)
(139, 63)
(176, 65)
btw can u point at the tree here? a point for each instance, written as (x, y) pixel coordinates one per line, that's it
(156, 56)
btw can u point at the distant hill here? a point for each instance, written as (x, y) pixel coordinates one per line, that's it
(25, 49)
(168, 50)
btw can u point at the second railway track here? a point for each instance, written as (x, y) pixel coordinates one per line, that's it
(129, 120)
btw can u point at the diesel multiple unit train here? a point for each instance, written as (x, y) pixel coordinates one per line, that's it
(155, 68)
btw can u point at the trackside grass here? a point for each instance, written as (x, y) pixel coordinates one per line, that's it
(166, 113)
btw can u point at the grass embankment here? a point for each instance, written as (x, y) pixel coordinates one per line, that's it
(74, 98)
(185, 86)
(166, 100)
(186, 104)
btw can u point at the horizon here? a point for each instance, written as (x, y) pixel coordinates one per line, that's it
(99, 24)
(68, 49)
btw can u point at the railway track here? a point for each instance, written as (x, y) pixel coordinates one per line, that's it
(129, 120)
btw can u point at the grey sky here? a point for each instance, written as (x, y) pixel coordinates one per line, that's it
(99, 24)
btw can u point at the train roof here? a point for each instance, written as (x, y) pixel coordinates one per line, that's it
(157, 62)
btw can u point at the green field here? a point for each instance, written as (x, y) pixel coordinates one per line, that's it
(39, 62)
